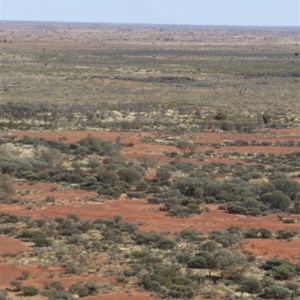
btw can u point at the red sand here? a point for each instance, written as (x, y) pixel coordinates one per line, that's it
(265, 248)
(134, 295)
(157, 152)
(151, 218)
(11, 246)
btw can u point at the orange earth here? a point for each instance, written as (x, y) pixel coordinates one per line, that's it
(147, 217)
(10, 246)
(266, 248)
(157, 152)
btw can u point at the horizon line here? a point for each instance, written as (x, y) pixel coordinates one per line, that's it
(153, 24)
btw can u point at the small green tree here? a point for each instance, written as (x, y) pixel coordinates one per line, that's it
(30, 290)
(7, 187)
(276, 292)
(251, 285)
(3, 295)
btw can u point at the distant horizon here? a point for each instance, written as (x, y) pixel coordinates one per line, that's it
(151, 24)
(254, 13)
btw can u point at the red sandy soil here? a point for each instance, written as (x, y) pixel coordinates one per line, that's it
(11, 246)
(257, 149)
(39, 277)
(8, 273)
(134, 295)
(268, 135)
(265, 248)
(75, 136)
(157, 153)
(150, 218)
(39, 191)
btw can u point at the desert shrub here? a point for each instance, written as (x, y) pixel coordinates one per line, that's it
(129, 174)
(8, 218)
(17, 285)
(165, 244)
(35, 236)
(163, 175)
(188, 186)
(92, 287)
(203, 260)
(96, 145)
(276, 292)
(53, 294)
(30, 290)
(253, 233)
(284, 272)
(7, 187)
(237, 208)
(198, 262)
(71, 268)
(57, 285)
(296, 207)
(276, 200)
(23, 276)
(286, 234)
(181, 291)
(184, 257)
(50, 156)
(112, 191)
(121, 279)
(146, 238)
(183, 211)
(265, 233)
(107, 177)
(225, 238)
(49, 199)
(93, 163)
(79, 289)
(220, 115)
(251, 285)
(3, 295)
(287, 186)
(229, 261)
(209, 246)
(185, 145)
(280, 269)
(168, 281)
(190, 234)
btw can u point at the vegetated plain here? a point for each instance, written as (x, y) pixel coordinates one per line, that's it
(149, 162)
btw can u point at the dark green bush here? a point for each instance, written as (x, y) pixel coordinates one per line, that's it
(276, 292)
(3, 295)
(79, 289)
(30, 290)
(286, 234)
(251, 285)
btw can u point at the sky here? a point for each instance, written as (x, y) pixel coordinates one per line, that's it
(194, 12)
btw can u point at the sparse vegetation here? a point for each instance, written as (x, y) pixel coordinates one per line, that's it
(115, 151)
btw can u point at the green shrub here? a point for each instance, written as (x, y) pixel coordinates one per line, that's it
(92, 287)
(79, 289)
(286, 234)
(251, 285)
(7, 187)
(36, 237)
(276, 292)
(30, 290)
(280, 269)
(181, 291)
(3, 295)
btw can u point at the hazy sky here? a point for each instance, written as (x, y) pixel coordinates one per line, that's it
(203, 12)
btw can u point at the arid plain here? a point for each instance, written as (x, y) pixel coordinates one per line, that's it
(149, 162)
